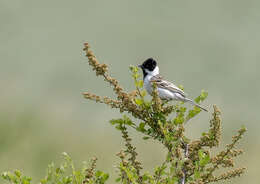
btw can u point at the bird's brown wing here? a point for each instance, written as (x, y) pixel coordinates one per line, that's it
(161, 83)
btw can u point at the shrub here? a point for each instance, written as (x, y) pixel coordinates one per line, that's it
(186, 161)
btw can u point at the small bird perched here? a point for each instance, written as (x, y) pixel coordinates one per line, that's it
(166, 90)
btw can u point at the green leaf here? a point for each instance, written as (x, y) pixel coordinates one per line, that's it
(119, 127)
(127, 121)
(141, 128)
(136, 76)
(139, 83)
(196, 174)
(5, 175)
(105, 177)
(26, 180)
(181, 87)
(116, 121)
(99, 173)
(197, 100)
(178, 120)
(183, 109)
(203, 95)
(203, 158)
(175, 179)
(204, 161)
(138, 101)
(18, 173)
(192, 113)
(201, 154)
(134, 69)
(43, 181)
(118, 179)
(143, 93)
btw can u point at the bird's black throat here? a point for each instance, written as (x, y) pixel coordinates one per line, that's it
(148, 65)
(144, 73)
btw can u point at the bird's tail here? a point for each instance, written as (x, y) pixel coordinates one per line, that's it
(194, 103)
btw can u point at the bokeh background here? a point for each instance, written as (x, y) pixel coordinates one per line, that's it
(201, 44)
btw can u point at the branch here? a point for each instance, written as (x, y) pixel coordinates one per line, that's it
(186, 153)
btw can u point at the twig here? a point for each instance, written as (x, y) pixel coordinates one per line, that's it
(186, 152)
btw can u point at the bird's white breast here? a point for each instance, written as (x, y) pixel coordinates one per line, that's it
(147, 84)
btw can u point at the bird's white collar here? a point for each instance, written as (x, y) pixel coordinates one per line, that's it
(154, 72)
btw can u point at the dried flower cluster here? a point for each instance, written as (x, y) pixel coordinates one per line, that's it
(90, 171)
(187, 161)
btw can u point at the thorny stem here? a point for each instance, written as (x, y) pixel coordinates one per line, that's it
(138, 89)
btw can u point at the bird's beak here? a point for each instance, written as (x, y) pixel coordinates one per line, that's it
(140, 66)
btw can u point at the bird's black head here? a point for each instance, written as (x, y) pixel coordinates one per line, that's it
(148, 66)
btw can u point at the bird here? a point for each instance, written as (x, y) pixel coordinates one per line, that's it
(166, 90)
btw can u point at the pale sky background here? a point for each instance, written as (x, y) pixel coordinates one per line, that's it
(212, 45)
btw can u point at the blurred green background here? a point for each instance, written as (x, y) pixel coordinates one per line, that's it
(201, 44)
